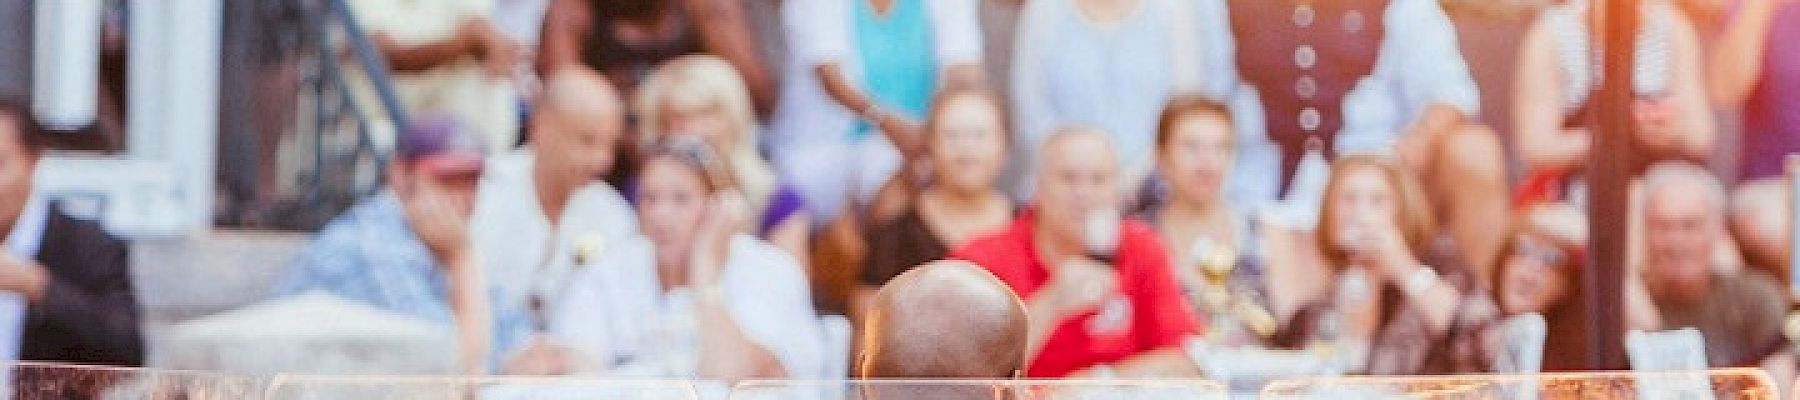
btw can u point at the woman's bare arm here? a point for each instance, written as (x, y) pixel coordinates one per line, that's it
(1542, 142)
(1737, 59)
(725, 31)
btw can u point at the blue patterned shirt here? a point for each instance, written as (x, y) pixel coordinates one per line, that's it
(370, 254)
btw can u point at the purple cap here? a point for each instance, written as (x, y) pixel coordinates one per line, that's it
(436, 135)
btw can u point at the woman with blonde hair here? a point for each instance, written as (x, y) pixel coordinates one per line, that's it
(703, 95)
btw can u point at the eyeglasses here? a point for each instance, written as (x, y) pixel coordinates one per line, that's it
(1536, 250)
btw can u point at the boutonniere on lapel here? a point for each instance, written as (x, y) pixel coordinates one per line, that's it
(588, 248)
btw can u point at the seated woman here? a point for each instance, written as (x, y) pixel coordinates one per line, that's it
(692, 297)
(1538, 277)
(1209, 243)
(703, 96)
(965, 147)
(1556, 75)
(1398, 303)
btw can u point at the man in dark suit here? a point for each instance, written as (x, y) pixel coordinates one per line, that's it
(69, 276)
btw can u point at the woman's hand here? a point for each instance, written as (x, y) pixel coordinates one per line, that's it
(1385, 252)
(1656, 123)
(727, 217)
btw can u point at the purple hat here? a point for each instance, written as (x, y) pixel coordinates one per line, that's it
(438, 136)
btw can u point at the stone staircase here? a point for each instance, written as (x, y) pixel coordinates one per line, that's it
(186, 278)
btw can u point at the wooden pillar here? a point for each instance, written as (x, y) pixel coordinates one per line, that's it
(1613, 162)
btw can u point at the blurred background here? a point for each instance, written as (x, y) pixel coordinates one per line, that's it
(216, 136)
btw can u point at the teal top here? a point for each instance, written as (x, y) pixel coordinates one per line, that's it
(899, 64)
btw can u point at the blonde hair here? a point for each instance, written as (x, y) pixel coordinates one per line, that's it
(708, 79)
(1413, 214)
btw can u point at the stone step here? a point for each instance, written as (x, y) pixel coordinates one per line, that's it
(204, 274)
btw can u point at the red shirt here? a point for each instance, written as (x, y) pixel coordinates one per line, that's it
(1159, 316)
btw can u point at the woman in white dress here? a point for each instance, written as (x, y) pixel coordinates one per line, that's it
(691, 296)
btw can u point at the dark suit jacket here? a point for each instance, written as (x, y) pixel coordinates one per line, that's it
(89, 314)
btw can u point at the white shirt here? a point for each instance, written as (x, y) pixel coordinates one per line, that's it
(1068, 71)
(522, 252)
(618, 315)
(26, 238)
(521, 20)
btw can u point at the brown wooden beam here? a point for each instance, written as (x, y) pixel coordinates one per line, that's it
(1613, 162)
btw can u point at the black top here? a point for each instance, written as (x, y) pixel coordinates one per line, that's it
(604, 51)
(899, 245)
(1304, 57)
(88, 314)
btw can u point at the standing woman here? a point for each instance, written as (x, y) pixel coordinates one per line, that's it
(965, 147)
(1108, 64)
(703, 95)
(860, 77)
(1400, 304)
(625, 39)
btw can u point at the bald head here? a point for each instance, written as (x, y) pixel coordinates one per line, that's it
(1078, 174)
(1079, 145)
(946, 319)
(578, 90)
(577, 124)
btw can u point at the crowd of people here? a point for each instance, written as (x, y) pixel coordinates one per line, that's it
(627, 188)
(1156, 179)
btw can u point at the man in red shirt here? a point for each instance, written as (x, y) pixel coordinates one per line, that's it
(1088, 317)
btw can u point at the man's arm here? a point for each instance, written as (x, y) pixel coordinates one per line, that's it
(566, 22)
(474, 38)
(101, 314)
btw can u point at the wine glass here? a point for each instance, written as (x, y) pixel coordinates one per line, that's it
(1101, 236)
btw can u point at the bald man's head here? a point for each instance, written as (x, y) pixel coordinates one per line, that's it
(1077, 174)
(577, 124)
(946, 319)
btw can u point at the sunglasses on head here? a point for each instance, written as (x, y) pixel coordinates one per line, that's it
(1543, 253)
(694, 153)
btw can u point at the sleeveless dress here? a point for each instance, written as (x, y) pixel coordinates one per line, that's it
(1579, 59)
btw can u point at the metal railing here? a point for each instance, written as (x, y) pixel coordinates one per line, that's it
(346, 160)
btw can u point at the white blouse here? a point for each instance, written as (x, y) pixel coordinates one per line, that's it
(618, 315)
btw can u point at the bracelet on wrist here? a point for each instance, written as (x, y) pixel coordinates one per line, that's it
(872, 113)
(1421, 280)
